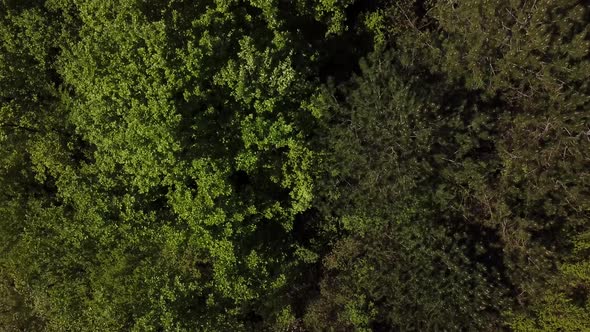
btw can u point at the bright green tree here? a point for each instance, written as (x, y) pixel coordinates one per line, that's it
(155, 157)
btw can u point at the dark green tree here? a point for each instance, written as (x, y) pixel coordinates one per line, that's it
(407, 260)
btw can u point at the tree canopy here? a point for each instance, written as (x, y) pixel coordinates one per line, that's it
(313, 165)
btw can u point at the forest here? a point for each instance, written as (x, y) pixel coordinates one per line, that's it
(300, 165)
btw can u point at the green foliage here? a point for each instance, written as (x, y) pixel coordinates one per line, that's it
(154, 160)
(393, 279)
(501, 159)
(565, 305)
(401, 266)
(521, 51)
(216, 165)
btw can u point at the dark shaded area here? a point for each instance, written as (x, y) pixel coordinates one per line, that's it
(240, 181)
